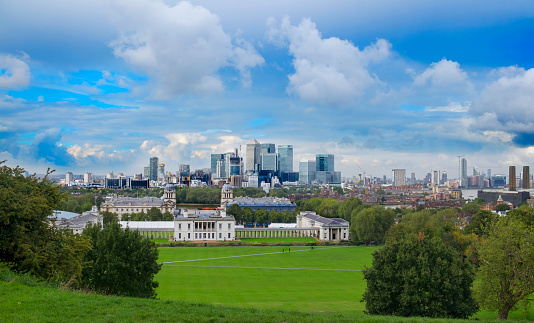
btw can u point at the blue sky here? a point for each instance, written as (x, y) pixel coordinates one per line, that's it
(101, 86)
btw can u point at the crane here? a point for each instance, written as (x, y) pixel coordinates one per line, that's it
(364, 178)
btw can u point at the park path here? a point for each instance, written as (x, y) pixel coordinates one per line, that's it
(176, 263)
(239, 256)
(246, 267)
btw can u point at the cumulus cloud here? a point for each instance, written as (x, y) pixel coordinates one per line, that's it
(14, 72)
(506, 105)
(45, 147)
(86, 150)
(330, 71)
(452, 107)
(178, 146)
(182, 46)
(442, 74)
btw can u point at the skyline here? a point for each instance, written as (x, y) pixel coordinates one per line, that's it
(103, 86)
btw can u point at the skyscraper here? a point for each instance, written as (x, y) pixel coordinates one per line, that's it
(269, 161)
(88, 178)
(307, 171)
(146, 172)
(214, 159)
(161, 172)
(324, 163)
(253, 162)
(268, 149)
(153, 169)
(69, 178)
(285, 158)
(412, 179)
(463, 172)
(399, 177)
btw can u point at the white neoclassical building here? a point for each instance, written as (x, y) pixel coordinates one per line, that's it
(329, 229)
(204, 225)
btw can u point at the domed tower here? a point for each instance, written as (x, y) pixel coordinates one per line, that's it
(169, 195)
(227, 194)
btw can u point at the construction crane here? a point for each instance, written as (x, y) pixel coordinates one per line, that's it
(364, 178)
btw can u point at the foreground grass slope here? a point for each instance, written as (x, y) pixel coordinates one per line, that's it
(21, 303)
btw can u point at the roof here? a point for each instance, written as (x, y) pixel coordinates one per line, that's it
(267, 201)
(326, 221)
(253, 141)
(132, 201)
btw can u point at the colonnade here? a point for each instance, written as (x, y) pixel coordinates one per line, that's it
(275, 233)
(156, 234)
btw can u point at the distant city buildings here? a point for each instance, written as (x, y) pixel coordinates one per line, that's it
(399, 177)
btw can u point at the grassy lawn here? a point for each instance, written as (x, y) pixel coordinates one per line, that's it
(278, 240)
(268, 287)
(271, 287)
(160, 240)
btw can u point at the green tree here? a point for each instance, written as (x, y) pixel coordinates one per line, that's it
(109, 217)
(481, 223)
(345, 209)
(237, 212)
(328, 208)
(120, 263)
(502, 207)
(371, 224)
(506, 272)
(418, 276)
(29, 240)
(471, 207)
(524, 213)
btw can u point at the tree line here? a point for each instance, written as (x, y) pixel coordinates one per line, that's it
(107, 260)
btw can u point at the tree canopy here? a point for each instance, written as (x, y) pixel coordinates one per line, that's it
(506, 273)
(28, 238)
(418, 276)
(371, 224)
(121, 262)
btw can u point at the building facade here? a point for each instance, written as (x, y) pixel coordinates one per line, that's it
(399, 177)
(253, 162)
(285, 158)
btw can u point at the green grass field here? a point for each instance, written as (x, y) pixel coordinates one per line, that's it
(325, 279)
(278, 240)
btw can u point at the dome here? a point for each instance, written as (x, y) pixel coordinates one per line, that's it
(169, 187)
(227, 187)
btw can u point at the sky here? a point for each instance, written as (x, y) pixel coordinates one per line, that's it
(103, 85)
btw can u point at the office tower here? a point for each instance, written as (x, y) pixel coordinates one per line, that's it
(269, 161)
(220, 169)
(384, 179)
(511, 179)
(253, 162)
(307, 172)
(267, 149)
(399, 177)
(443, 177)
(214, 159)
(526, 177)
(463, 172)
(435, 177)
(412, 179)
(69, 178)
(146, 172)
(324, 163)
(88, 178)
(153, 169)
(285, 158)
(110, 175)
(161, 172)
(476, 171)
(489, 173)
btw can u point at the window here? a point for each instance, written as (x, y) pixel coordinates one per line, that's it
(188, 226)
(179, 226)
(220, 225)
(229, 226)
(204, 236)
(220, 235)
(196, 235)
(179, 236)
(213, 235)
(189, 236)
(228, 235)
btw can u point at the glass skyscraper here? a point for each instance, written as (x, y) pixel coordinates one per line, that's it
(285, 158)
(153, 176)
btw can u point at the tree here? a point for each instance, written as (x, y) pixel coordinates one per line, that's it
(109, 217)
(371, 224)
(506, 272)
(29, 240)
(345, 209)
(121, 262)
(237, 212)
(481, 223)
(328, 208)
(472, 208)
(418, 276)
(502, 207)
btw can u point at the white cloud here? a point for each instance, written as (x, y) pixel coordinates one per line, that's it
(181, 46)
(14, 72)
(452, 107)
(330, 71)
(81, 152)
(178, 147)
(506, 104)
(444, 73)
(226, 144)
